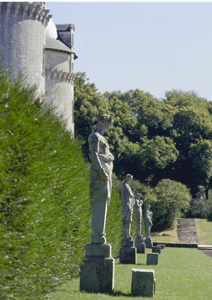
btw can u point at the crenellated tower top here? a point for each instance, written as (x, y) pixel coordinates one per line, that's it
(28, 10)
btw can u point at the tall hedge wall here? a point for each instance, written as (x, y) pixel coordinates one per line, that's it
(45, 214)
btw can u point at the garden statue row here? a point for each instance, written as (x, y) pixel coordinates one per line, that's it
(128, 251)
(97, 269)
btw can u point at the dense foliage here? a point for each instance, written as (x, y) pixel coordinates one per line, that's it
(171, 199)
(152, 139)
(45, 214)
(200, 209)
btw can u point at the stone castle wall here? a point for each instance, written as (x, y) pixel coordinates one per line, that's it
(31, 43)
(59, 85)
(22, 45)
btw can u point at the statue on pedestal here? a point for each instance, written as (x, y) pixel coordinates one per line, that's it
(128, 202)
(138, 206)
(127, 254)
(139, 242)
(148, 225)
(100, 177)
(97, 268)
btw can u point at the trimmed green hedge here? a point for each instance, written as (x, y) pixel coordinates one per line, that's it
(45, 213)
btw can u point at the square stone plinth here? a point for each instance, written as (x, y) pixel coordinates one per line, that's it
(162, 246)
(98, 250)
(128, 255)
(148, 243)
(97, 275)
(152, 258)
(140, 246)
(156, 249)
(143, 283)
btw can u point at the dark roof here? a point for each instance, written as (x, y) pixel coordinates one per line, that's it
(57, 45)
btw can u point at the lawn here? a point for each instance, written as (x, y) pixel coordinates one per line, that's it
(203, 228)
(166, 236)
(182, 273)
(204, 231)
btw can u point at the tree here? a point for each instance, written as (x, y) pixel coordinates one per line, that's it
(171, 198)
(88, 106)
(151, 139)
(191, 131)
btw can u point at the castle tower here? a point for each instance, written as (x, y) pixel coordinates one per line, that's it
(31, 43)
(60, 78)
(22, 40)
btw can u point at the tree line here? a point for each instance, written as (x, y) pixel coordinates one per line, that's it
(151, 139)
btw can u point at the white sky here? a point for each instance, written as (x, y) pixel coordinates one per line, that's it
(152, 46)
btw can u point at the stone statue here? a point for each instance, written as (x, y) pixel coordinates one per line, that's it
(128, 202)
(138, 206)
(100, 177)
(148, 221)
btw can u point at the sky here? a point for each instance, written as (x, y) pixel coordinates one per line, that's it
(152, 46)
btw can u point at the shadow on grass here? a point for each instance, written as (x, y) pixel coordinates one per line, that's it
(119, 293)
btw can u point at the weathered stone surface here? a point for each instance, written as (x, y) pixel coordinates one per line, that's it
(148, 225)
(143, 283)
(186, 230)
(97, 275)
(156, 249)
(128, 255)
(127, 242)
(148, 243)
(97, 269)
(128, 201)
(138, 206)
(152, 258)
(140, 245)
(162, 246)
(100, 177)
(98, 250)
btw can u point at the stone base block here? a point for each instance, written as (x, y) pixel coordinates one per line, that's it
(140, 246)
(98, 250)
(162, 246)
(148, 243)
(127, 242)
(143, 283)
(152, 258)
(156, 249)
(97, 275)
(128, 255)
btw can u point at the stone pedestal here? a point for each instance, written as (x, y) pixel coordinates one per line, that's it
(152, 258)
(128, 253)
(143, 283)
(148, 242)
(162, 246)
(140, 245)
(156, 249)
(97, 269)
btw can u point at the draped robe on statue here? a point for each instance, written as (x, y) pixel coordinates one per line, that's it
(100, 187)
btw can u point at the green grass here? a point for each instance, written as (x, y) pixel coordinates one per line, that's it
(181, 274)
(204, 231)
(170, 237)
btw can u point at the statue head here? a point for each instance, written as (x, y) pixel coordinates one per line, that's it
(138, 196)
(105, 122)
(128, 178)
(148, 207)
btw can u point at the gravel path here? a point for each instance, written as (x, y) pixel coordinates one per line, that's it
(186, 230)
